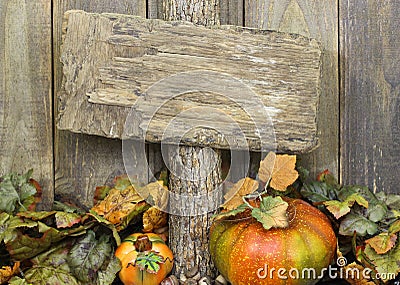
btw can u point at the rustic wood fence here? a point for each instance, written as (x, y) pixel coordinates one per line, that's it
(358, 117)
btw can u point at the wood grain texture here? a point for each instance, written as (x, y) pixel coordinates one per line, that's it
(99, 157)
(230, 12)
(201, 12)
(370, 69)
(26, 117)
(195, 181)
(236, 72)
(316, 19)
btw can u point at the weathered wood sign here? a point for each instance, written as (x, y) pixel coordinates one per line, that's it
(119, 67)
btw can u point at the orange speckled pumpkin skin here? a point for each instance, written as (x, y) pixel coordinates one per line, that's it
(243, 251)
(132, 275)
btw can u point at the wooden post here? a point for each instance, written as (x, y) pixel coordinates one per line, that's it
(189, 234)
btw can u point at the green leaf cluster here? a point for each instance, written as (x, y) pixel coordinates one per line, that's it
(63, 246)
(16, 192)
(373, 219)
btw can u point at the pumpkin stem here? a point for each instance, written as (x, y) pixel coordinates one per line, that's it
(143, 243)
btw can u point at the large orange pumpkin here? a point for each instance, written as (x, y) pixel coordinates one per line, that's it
(146, 246)
(246, 253)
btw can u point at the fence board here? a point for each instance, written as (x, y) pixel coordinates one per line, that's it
(316, 19)
(25, 91)
(98, 157)
(370, 69)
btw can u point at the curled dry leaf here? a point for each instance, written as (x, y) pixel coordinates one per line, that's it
(234, 197)
(382, 243)
(154, 219)
(340, 209)
(354, 275)
(157, 192)
(118, 204)
(6, 272)
(278, 170)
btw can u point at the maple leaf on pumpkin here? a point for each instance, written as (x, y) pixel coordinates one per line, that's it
(278, 170)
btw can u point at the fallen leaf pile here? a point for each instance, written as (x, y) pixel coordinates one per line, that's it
(68, 245)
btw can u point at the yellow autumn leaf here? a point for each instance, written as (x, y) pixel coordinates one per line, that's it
(6, 272)
(279, 170)
(234, 197)
(154, 219)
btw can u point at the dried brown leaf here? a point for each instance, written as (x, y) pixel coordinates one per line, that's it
(157, 192)
(278, 170)
(354, 275)
(118, 204)
(154, 219)
(234, 197)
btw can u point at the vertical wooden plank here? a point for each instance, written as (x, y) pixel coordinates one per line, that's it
(232, 12)
(26, 115)
(370, 69)
(83, 162)
(196, 11)
(316, 19)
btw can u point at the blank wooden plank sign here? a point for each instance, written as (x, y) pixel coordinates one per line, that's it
(161, 77)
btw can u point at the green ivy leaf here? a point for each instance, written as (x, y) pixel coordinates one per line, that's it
(50, 267)
(62, 207)
(107, 275)
(27, 190)
(339, 209)
(9, 197)
(316, 191)
(18, 281)
(272, 212)
(149, 261)
(107, 224)
(393, 201)
(14, 189)
(44, 275)
(387, 264)
(394, 227)
(23, 244)
(67, 220)
(357, 223)
(88, 255)
(36, 216)
(377, 211)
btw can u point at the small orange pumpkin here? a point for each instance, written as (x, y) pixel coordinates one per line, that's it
(145, 259)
